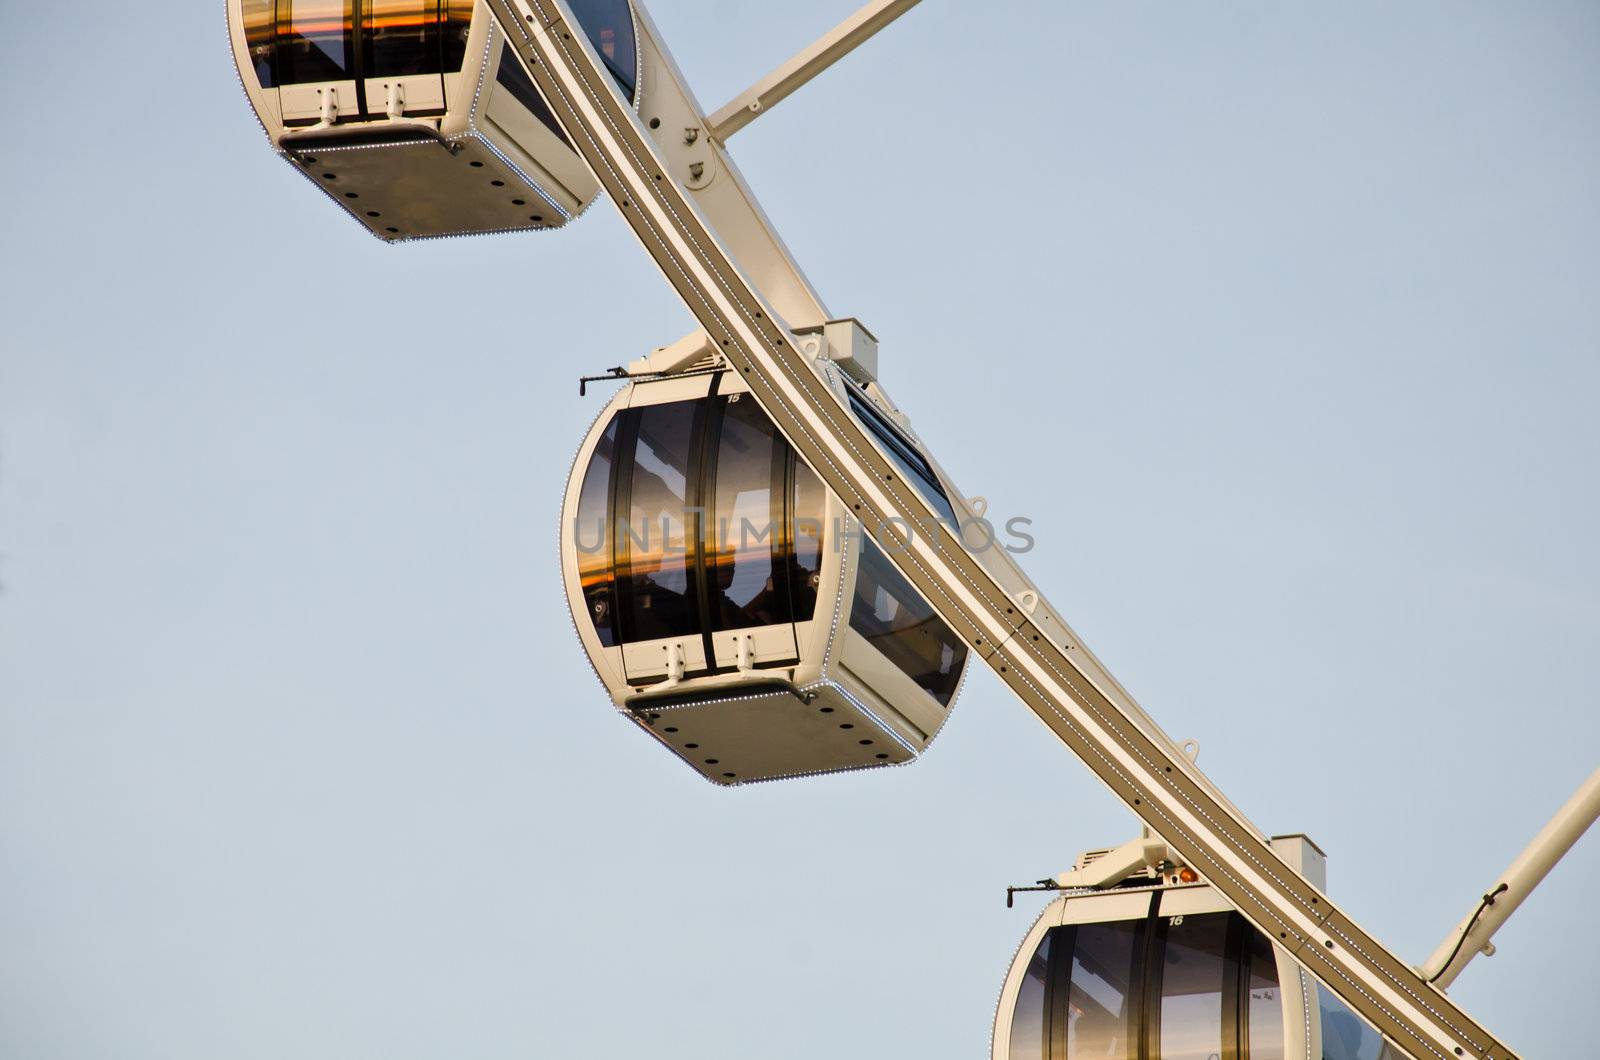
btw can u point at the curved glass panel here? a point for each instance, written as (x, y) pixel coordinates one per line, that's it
(260, 19)
(609, 26)
(1194, 967)
(898, 448)
(457, 27)
(1028, 1024)
(402, 37)
(657, 596)
(1346, 1036)
(1263, 999)
(743, 563)
(686, 522)
(810, 507)
(1206, 987)
(592, 535)
(294, 42)
(514, 79)
(316, 41)
(1100, 994)
(892, 616)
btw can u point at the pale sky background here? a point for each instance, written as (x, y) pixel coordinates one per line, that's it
(1280, 320)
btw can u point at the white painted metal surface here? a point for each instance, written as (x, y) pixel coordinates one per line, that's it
(806, 64)
(1471, 936)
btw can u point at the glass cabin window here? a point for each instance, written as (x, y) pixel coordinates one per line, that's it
(744, 561)
(403, 37)
(1346, 1036)
(609, 26)
(316, 41)
(810, 501)
(1263, 999)
(914, 467)
(655, 565)
(696, 517)
(1194, 968)
(1028, 1023)
(514, 79)
(893, 617)
(295, 42)
(593, 535)
(1101, 991)
(260, 19)
(457, 27)
(1197, 987)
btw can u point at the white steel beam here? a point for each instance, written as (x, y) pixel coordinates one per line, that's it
(1047, 668)
(804, 65)
(1471, 936)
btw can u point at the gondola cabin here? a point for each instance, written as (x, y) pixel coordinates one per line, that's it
(1155, 965)
(729, 603)
(413, 116)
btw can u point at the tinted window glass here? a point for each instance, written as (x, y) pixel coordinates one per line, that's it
(1346, 1036)
(1193, 967)
(514, 79)
(1099, 1011)
(260, 26)
(402, 37)
(746, 536)
(315, 41)
(890, 613)
(1028, 1026)
(609, 26)
(1263, 1000)
(658, 596)
(898, 448)
(593, 538)
(809, 508)
(457, 26)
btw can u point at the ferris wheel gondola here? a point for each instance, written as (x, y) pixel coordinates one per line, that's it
(414, 117)
(1140, 958)
(731, 604)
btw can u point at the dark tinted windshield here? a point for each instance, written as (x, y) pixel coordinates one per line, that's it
(894, 618)
(1028, 1022)
(1346, 1036)
(1195, 973)
(403, 38)
(592, 536)
(295, 42)
(898, 448)
(1193, 987)
(315, 42)
(609, 25)
(696, 516)
(655, 570)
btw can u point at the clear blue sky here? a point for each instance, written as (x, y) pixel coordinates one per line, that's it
(1280, 321)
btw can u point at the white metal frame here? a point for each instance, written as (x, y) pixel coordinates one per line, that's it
(806, 64)
(1472, 936)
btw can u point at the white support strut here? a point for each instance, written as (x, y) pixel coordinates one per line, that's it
(805, 65)
(1471, 936)
(1042, 663)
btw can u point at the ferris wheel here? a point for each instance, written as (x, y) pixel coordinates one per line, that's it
(771, 574)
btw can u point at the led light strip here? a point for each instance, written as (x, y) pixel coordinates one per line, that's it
(1154, 780)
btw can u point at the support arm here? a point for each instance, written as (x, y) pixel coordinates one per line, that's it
(1471, 936)
(806, 64)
